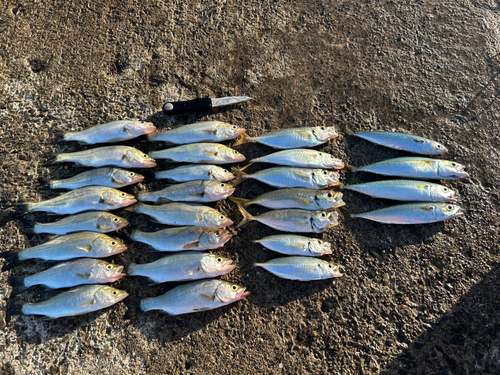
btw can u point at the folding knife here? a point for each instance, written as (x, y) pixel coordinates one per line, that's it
(201, 104)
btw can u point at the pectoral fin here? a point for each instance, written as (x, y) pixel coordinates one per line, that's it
(126, 131)
(86, 249)
(427, 208)
(84, 276)
(304, 202)
(191, 245)
(88, 304)
(305, 133)
(210, 132)
(300, 174)
(199, 218)
(418, 141)
(210, 153)
(208, 297)
(193, 272)
(199, 195)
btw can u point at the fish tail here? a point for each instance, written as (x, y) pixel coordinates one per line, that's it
(127, 264)
(131, 208)
(17, 284)
(347, 131)
(348, 215)
(350, 168)
(11, 259)
(24, 208)
(45, 182)
(134, 306)
(239, 201)
(53, 158)
(246, 217)
(29, 226)
(240, 176)
(16, 308)
(244, 138)
(250, 261)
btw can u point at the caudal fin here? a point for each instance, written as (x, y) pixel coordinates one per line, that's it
(134, 306)
(250, 261)
(16, 308)
(239, 201)
(246, 217)
(29, 226)
(240, 176)
(347, 214)
(17, 284)
(244, 138)
(52, 159)
(11, 259)
(45, 182)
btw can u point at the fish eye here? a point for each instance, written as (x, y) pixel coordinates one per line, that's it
(453, 164)
(217, 233)
(235, 151)
(449, 207)
(234, 287)
(438, 146)
(225, 171)
(234, 126)
(219, 260)
(322, 128)
(323, 214)
(445, 189)
(109, 267)
(115, 292)
(222, 185)
(320, 242)
(131, 174)
(330, 266)
(325, 173)
(221, 217)
(329, 195)
(145, 156)
(115, 219)
(113, 243)
(123, 194)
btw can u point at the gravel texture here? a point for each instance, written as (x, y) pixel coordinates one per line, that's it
(414, 299)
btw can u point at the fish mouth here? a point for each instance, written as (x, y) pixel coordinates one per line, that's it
(121, 225)
(123, 296)
(148, 127)
(120, 249)
(238, 133)
(228, 269)
(327, 252)
(242, 294)
(230, 191)
(227, 223)
(129, 201)
(225, 237)
(239, 159)
(148, 164)
(138, 179)
(463, 174)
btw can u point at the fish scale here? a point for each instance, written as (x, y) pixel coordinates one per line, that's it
(303, 158)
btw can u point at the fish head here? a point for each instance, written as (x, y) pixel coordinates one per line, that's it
(433, 148)
(324, 133)
(323, 220)
(451, 170)
(214, 238)
(318, 247)
(220, 174)
(329, 270)
(123, 177)
(217, 220)
(117, 198)
(138, 128)
(225, 130)
(231, 156)
(328, 199)
(442, 194)
(107, 295)
(329, 161)
(104, 272)
(448, 211)
(227, 292)
(218, 190)
(323, 177)
(107, 246)
(139, 159)
(107, 222)
(213, 265)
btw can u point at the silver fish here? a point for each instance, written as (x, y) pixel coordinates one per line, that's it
(192, 191)
(110, 132)
(306, 199)
(206, 131)
(77, 301)
(95, 221)
(115, 156)
(196, 172)
(416, 167)
(70, 274)
(405, 190)
(414, 213)
(110, 177)
(300, 268)
(292, 244)
(293, 220)
(188, 265)
(200, 153)
(181, 214)
(292, 138)
(402, 141)
(183, 238)
(76, 245)
(90, 198)
(283, 177)
(188, 298)
(303, 158)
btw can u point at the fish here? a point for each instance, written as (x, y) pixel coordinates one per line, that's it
(188, 298)
(196, 172)
(302, 158)
(206, 131)
(293, 220)
(416, 167)
(199, 153)
(413, 213)
(401, 141)
(292, 244)
(192, 191)
(70, 274)
(76, 245)
(299, 268)
(183, 238)
(95, 221)
(109, 177)
(405, 190)
(113, 156)
(77, 301)
(188, 265)
(89, 198)
(110, 132)
(306, 199)
(292, 137)
(283, 177)
(181, 214)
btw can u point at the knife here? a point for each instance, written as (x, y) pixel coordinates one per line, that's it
(201, 104)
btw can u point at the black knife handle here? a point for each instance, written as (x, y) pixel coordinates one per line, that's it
(187, 106)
